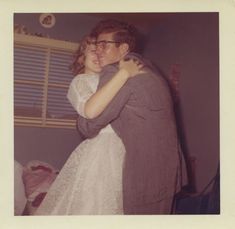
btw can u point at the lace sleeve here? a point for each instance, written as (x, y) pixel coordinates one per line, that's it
(80, 90)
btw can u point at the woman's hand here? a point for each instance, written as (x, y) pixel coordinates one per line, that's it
(131, 67)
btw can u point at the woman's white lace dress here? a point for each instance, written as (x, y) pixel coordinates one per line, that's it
(90, 182)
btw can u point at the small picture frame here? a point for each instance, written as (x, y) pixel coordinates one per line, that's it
(47, 20)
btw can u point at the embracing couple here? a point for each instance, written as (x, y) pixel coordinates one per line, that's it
(130, 162)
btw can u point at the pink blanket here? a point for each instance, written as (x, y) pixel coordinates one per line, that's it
(38, 177)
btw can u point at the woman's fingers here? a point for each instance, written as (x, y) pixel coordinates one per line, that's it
(131, 61)
(133, 66)
(140, 65)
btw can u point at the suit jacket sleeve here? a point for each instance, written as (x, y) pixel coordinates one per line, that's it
(91, 127)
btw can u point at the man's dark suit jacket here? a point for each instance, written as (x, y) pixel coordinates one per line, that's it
(142, 115)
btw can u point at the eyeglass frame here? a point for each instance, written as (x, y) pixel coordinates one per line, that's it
(104, 43)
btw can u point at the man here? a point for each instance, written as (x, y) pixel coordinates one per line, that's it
(142, 115)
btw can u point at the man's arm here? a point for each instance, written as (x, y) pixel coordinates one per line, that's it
(91, 127)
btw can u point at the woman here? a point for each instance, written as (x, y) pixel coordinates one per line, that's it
(91, 180)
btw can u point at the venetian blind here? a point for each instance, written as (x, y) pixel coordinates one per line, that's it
(41, 80)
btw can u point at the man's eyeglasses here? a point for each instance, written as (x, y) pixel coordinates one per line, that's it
(102, 44)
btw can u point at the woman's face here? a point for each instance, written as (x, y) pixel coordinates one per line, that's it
(91, 63)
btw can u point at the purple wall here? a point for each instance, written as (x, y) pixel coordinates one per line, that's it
(192, 41)
(44, 144)
(70, 26)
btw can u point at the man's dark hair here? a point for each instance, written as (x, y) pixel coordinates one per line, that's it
(123, 32)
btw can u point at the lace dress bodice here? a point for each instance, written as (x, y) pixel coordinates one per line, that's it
(82, 87)
(80, 90)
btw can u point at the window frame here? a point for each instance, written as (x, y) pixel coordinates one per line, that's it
(48, 44)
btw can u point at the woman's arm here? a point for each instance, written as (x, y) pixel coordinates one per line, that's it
(100, 100)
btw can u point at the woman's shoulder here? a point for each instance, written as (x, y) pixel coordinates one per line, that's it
(84, 77)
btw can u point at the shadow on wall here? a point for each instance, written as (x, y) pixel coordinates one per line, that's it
(190, 161)
(189, 201)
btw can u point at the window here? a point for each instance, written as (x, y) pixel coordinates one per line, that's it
(41, 81)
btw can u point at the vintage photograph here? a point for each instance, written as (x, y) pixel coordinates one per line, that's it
(116, 113)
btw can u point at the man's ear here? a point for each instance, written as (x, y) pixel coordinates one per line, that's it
(124, 48)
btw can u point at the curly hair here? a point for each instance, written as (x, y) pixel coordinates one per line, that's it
(78, 67)
(123, 32)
